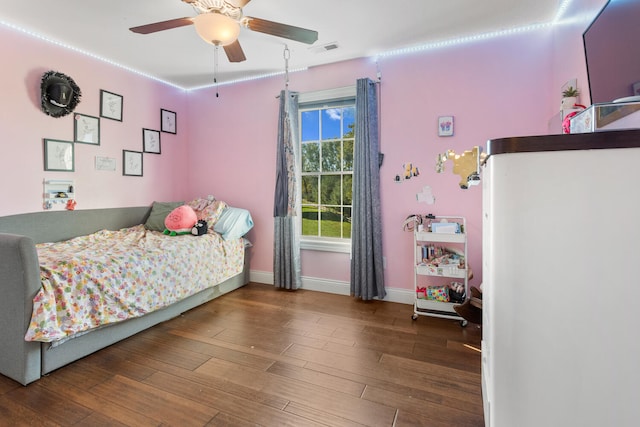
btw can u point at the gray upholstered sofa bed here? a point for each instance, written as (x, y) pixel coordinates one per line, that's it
(25, 361)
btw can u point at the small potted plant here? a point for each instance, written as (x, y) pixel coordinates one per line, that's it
(569, 98)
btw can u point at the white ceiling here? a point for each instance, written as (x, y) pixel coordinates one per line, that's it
(360, 28)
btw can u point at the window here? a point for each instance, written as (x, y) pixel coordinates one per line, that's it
(327, 130)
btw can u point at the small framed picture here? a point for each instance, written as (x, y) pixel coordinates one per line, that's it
(58, 155)
(110, 105)
(86, 129)
(131, 163)
(445, 126)
(105, 164)
(151, 141)
(168, 121)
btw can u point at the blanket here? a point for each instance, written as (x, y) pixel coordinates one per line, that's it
(110, 276)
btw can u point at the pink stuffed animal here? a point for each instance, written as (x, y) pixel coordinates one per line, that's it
(180, 221)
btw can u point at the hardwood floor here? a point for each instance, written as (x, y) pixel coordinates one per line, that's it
(259, 356)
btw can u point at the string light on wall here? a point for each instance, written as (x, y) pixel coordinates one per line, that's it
(482, 36)
(462, 40)
(561, 10)
(232, 30)
(86, 53)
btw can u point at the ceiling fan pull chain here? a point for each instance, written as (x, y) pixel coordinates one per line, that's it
(215, 69)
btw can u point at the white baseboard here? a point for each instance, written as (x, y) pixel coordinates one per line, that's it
(403, 296)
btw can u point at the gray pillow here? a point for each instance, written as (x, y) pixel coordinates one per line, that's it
(159, 211)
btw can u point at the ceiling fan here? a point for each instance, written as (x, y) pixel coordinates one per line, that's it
(218, 22)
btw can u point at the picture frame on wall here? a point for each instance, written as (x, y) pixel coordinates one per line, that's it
(445, 126)
(150, 141)
(59, 155)
(86, 129)
(110, 105)
(105, 164)
(168, 121)
(131, 163)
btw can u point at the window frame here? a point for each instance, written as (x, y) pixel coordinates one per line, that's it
(329, 96)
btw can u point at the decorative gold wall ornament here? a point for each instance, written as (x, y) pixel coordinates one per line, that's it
(466, 165)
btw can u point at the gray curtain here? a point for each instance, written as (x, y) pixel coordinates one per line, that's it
(367, 276)
(286, 239)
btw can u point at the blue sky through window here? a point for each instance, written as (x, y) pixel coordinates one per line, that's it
(310, 125)
(332, 126)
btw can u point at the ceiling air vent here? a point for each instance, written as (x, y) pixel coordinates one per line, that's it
(325, 47)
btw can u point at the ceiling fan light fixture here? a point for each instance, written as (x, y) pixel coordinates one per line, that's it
(216, 28)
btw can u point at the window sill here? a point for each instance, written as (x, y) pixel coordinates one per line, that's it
(326, 245)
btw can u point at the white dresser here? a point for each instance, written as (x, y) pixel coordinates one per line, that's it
(561, 280)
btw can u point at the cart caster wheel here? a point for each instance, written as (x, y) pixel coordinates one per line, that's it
(464, 323)
(414, 317)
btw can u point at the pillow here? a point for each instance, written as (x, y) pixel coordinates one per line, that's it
(233, 223)
(200, 203)
(208, 209)
(159, 211)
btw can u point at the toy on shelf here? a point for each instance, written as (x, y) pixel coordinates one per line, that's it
(58, 193)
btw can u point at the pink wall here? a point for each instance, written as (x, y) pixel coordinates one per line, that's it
(24, 126)
(491, 88)
(233, 151)
(226, 146)
(568, 49)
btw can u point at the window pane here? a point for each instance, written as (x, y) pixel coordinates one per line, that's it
(310, 189)
(310, 125)
(348, 155)
(330, 189)
(330, 221)
(347, 189)
(309, 220)
(348, 122)
(310, 157)
(346, 223)
(327, 132)
(331, 123)
(331, 158)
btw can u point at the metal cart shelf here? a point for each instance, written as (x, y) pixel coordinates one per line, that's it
(429, 272)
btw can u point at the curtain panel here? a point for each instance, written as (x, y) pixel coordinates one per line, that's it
(286, 239)
(367, 275)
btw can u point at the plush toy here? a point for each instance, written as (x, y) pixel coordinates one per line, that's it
(180, 221)
(200, 228)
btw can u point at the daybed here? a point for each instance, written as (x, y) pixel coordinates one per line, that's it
(21, 280)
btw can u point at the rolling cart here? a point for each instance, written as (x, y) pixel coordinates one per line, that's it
(441, 278)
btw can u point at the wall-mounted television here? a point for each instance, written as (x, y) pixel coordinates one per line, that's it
(612, 51)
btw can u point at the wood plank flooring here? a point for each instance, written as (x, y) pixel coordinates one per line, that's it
(260, 356)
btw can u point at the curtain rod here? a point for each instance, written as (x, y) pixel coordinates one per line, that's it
(339, 92)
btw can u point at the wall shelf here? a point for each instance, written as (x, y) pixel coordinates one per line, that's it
(58, 193)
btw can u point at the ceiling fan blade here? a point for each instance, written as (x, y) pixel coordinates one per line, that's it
(281, 30)
(161, 26)
(234, 52)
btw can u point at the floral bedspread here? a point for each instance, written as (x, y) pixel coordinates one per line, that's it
(110, 276)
